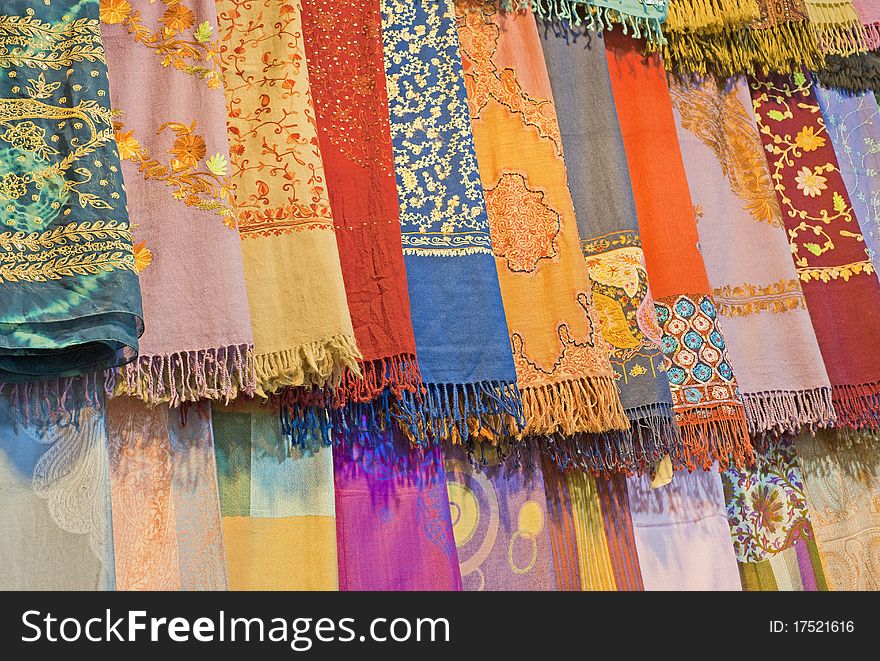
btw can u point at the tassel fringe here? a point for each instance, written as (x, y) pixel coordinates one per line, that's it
(56, 401)
(589, 404)
(857, 407)
(713, 434)
(837, 28)
(319, 363)
(851, 75)
(696, 15)
(785, 412)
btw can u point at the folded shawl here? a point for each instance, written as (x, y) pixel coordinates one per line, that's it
(562, 365)
(710, 416)
(171, 133)
(772, 345)
(839, 281)
(71, 302)
(302, 329)
(609, 232)
(457, 314)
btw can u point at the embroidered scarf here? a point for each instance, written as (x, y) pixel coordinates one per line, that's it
(839, 281)
(772, 346)
(71, 301)
(302, 329)
(343, 43)
(198, 342)
(279, 522)
(609, 232)
(562, 365)
(457, 313)
(166, 516)
(708, 411)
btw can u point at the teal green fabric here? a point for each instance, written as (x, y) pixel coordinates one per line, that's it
(69, 296)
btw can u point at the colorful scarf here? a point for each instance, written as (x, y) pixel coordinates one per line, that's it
(562, 365)
(55, 521)
(174, 149)
(71, 302)
(773, 348)
(302, 329)
(343, 44)
(681, 533)
(279, 523)
(499, 520)
(842, 485)
(457, 313)
(393, 523)
(166, 516)
(561, 527)
(836, 26)
(853, 124)
(839, 281)
(770, 521)
(609, 231)
(708, 411)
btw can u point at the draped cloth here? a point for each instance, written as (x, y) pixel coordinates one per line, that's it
(55, 521)
(343, 44)
(277, 503)
(299, 314)
(772, 346)
(562, 366)
(171, 135)
(827, 246)
(609, 233)
(163, 485)
(710, 416)
(71, 302)
(457, 314)
(393, 525)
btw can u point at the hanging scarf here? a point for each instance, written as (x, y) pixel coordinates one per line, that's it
(839, 281)
(770, 521)
(166, 516)
(561, 527)
(393, 523)
(279, 526)
(499, 520)
(302, 328)
(343, 44)
(71, 302)
(609, 231)
(773, 348)
(869, 16)
(562, 365)
(198, 342)
(708, 411)
(457, 313)
(836, 26)
(852, 75)
(853, 124)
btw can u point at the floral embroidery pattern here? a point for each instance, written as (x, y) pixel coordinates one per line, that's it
(524, 228)
(743, 300)
(576, 358)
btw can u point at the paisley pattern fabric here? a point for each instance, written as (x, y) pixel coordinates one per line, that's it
(71, 302)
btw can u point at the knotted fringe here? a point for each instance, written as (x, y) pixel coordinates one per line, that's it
(851, 75)
(696, 15)
(318, 363)
(837, 27)
(593, 17)
(857, 407)
(713, 434)
(779, 412)
(218, 374)
(784, 48)
(55, 401)
(872, 35)
(588, 404)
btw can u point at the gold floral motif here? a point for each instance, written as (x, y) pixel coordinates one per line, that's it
(747, 299)
(28, 42)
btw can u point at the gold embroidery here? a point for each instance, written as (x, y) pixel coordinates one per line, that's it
(746, 299)
(26, 41)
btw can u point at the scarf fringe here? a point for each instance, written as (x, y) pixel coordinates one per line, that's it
(318, 363)
(837, 28)
(786, 411)
(588, 404)
(393, 373)
(872, 35)
(713, 434)
(55, 401)
(709, 14)
(219, 374)
(851, 75)
(857, 407)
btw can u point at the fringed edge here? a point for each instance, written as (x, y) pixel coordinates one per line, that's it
(855, 74)
(319, 363)
(778, 412)
(55, 401)
(837, 28)
(218, 374)
(396, 374)
(709, 14)
(872, 35)
(710, 434)
(857, 407)
(589, 404)
(784, 48)
(593, 17)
